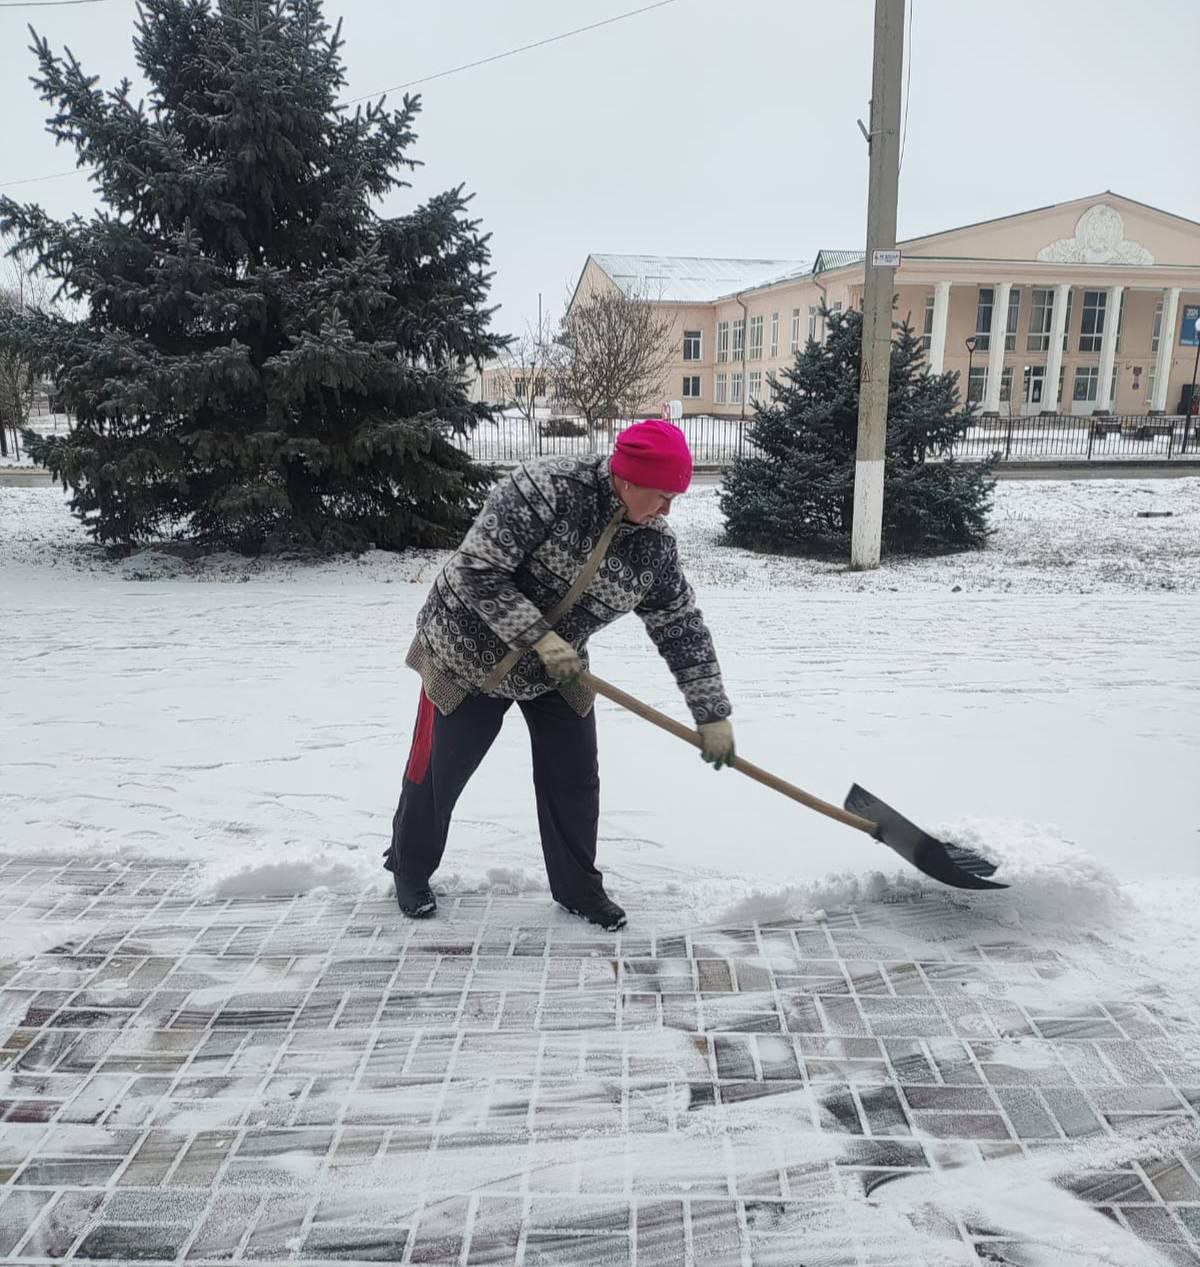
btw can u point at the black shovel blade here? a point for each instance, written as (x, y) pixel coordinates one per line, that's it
(951, 864)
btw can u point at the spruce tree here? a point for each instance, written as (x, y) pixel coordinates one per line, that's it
(794, 492)
(263, 360)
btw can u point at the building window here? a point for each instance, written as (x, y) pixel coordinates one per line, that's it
(1121, 319)
(755, 392)
(735, 389)
(813, 313)
(795, 346)
(756, 336)
(691, 386)
(1014, 319)
(691, 345)
(1150, 378)
(722, 340)
(774, 389)
(983, 319)
(1157, 334)
(720, 394)
(927, 335)
(739, 339)
(774, 335)
(1041, 319)
(1091, 323)
(977, 384)
(1087, 380)
(1006, 383)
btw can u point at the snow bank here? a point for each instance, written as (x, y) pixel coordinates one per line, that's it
(1053, 883)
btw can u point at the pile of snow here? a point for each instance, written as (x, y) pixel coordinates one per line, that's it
(310, 871)
(1054, 884)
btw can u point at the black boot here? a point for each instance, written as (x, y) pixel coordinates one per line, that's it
(415, 899)
(602, 911)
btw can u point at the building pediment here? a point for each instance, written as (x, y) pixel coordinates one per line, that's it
(1099, 238)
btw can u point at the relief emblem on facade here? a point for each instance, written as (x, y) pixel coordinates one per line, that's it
(1099, 239)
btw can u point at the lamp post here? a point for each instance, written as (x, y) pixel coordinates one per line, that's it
(1191, 405)
(970, 341)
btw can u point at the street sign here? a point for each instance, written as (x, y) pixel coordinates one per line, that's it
(1189, 331)
(885, 259)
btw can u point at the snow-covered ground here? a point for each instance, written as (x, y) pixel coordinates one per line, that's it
(264, 718)
(1039, 701)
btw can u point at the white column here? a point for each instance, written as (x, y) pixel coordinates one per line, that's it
(1166, 347)
(1108, 347)
(991, 399)
(937, 339)
(1058, 329)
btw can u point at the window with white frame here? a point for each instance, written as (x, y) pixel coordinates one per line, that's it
(691, 386)
(691, 345)
(1150, 380)
(735, 389)
(814, 312)
(774, 335)
(755, 385)
(721, 390)
(756, 338)
(1062, 382)
(927, 328)
(1041, 319)
(795, 343)
(722, 340)
(1112, 387)
(1067, 322)
(773, 389)
(1014, 319)
(1156, 334)
(1121, 318)
(977, 384)
(983, 318)
(1006, 383)
(739, 338)
(1087, 383)
(1091, 323)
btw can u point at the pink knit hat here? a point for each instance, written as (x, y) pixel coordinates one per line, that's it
(653, 454)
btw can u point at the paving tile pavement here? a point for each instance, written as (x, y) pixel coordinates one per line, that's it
(312, 1079)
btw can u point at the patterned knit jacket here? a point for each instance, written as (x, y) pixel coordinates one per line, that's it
(522, 554)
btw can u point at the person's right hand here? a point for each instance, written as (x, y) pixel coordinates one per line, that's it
(561, 660)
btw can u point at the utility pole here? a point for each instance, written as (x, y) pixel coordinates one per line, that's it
(880, 272)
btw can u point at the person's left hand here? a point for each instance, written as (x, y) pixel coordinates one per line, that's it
(717, 743)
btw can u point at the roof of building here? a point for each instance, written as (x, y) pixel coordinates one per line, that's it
(683, 279)
(837, 259)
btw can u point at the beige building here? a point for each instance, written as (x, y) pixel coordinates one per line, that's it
(1083, 307)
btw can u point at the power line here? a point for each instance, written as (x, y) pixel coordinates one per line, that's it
(512, 52)
(43, 4)
(441, 74)
(912, 4)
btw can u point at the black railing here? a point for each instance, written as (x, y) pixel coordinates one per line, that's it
(717, 441)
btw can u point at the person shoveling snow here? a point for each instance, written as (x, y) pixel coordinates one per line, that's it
(562, 547)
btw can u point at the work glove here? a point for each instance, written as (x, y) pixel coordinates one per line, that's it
(717, 743)
(560, 659)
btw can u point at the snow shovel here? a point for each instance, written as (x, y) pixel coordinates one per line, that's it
(950, 864)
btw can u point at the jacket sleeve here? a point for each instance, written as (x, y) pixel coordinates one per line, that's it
(516, 518)
(677, 628)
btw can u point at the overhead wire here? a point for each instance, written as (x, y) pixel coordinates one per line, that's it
(425, 79)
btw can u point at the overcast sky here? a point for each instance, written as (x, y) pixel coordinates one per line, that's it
(715, 127)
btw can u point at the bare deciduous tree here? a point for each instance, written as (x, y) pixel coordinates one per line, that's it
(615, 350)
(21, 290)
(527, 369)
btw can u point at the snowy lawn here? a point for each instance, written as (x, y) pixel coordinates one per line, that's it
(233, 749)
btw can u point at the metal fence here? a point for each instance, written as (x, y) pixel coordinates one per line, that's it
(719, 441)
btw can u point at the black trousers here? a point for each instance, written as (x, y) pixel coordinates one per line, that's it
(446, 751)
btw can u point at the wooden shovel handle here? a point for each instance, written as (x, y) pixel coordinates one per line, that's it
(757, 773)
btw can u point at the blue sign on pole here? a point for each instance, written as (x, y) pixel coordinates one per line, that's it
(1189, 331)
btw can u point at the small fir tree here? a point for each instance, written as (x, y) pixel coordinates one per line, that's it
(795, 491)
(263, 360)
